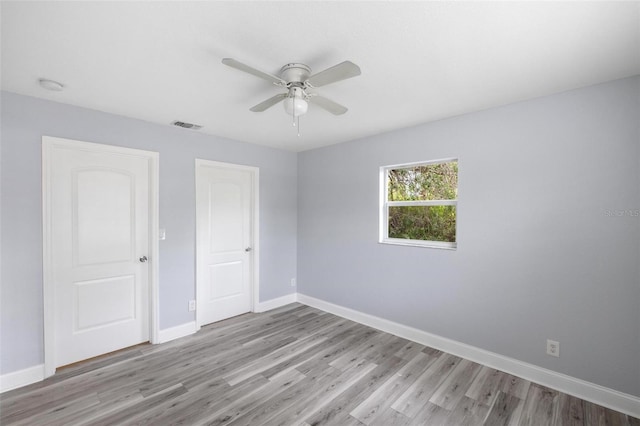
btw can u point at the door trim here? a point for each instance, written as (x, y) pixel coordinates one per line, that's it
(255, 228)
(49, 144)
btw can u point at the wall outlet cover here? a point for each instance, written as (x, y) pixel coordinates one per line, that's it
(553, 348)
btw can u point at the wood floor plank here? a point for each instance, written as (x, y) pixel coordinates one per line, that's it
(104, 408)
(337, 336)
(232, 404)
(318, 378)
(539, 407)
(305, 324)
(503, 410)
(138, 409)
(357, 352)
(387, 393)
(378, 349)
(310, 404)
(468, 412)
(418, 394)
(615, 418)
(430, 414)
(390, 417)
(486, 385)
(337, 410)
(295, 365)
(59, 414)
(190, 404)
(382, 353)
(570, 411)
(274, 358)
(453, 388)
(409, 350)
(230, 362)
(515, 386)
(352, 336)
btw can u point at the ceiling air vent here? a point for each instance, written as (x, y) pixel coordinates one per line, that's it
(185, 125)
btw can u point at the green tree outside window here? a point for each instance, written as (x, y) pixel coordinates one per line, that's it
(422, 202)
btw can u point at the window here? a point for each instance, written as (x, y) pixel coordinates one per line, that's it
(419, 204)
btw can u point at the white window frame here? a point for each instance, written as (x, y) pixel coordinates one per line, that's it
(385, 204)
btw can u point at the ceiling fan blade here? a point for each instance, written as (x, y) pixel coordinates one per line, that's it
(246, 68)
(328, 104)
(268, 103)
(342, 71)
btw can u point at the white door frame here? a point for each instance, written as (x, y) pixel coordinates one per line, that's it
(255, 228)
(49, 144)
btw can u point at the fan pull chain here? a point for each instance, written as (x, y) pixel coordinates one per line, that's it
(293, 113)
(295, 119)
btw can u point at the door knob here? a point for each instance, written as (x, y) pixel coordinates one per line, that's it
(248, 249)
(143, 259)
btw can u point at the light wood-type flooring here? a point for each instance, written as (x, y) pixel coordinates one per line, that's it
(294, 365)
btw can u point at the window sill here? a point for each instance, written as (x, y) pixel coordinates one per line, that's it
(419, 243)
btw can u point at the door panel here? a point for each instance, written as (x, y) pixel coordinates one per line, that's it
(227, 218)
(224, 203)
(226, 279)
(100, 303)
(105, 218)
(100, 229)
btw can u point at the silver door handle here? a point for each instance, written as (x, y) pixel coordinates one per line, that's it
(143, 259)
(248, 249)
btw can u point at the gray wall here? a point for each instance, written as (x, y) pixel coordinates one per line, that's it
(25, 120)
(538, 257)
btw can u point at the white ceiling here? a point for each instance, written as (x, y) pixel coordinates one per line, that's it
(420, 61)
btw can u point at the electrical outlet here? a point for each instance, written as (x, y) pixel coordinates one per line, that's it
(192, 305)
(553, 348)
(293, 282)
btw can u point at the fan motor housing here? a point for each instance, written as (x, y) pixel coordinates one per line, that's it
(295, 72)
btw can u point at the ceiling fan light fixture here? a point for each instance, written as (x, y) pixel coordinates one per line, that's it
(297, 78)
(295, 104)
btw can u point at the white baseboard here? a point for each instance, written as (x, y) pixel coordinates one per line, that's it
(21, 378)
(275, 303)
(177, 332)
(35, 374)
(592, 392)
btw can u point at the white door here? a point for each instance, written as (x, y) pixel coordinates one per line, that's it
(225, 250)
(99, 247)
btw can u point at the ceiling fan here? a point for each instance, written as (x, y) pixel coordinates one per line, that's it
(297, 79)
